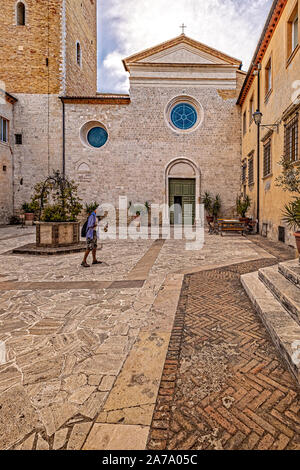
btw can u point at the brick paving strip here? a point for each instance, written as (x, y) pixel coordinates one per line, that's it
(223, 384)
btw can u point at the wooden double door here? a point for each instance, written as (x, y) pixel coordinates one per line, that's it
(182, 196)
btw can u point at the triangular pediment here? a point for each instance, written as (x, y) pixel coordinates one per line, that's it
(181, 50)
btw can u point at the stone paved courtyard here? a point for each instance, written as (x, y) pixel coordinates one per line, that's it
(85, 349)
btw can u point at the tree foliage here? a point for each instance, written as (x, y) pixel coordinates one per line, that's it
(56, 199)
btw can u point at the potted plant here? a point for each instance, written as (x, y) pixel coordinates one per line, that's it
(289, 181)
(243, 203)
(216, 206)
(28, 210)
(208, 206)
(291, 217)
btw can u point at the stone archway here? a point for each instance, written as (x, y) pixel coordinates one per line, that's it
(181, 169)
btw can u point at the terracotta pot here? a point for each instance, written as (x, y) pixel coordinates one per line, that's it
(297, 238)
(29, 216)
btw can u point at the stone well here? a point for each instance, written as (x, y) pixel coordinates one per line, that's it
(57, 234)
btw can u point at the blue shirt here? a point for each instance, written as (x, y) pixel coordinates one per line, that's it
(92, 221)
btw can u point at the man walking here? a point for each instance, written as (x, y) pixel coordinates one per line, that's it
(91, 240)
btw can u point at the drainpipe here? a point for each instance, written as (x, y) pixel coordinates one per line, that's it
(64, 139)
(258, 150)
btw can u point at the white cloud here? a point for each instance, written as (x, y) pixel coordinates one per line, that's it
(115, 78)
(232, 26)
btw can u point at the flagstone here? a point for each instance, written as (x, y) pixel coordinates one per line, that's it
(9, 376)
(55, 416)
(42, 371)
(15, 403)
(117, 437)
(138, 382)
(27, 444)
(141, 415)
(107, 383)
(42, 444)
(113, 343)
(60, 438)
(82, 394)
(73, 382)
(100, 364)
(93, 405)
(78, 436)
(95, 379)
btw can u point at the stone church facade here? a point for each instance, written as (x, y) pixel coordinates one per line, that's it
(176, 135)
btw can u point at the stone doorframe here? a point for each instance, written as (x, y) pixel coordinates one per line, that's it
(182, 168)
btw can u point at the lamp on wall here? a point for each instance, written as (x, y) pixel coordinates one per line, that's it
(257, 116)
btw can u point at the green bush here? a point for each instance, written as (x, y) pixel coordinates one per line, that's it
(243, 203)
(54, 213)
(28, 208)
(291, 214)
(89, 208)
(56, 200)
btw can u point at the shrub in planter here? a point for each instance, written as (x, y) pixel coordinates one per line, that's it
(243, 203)
(291, 216)
(56, 200)
(207, 201)
(216, 207)
(29, 211)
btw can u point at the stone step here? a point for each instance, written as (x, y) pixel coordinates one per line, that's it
(291, 271)
(284, 291)
(283, 329)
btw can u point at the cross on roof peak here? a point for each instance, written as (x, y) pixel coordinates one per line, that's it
(183, 27)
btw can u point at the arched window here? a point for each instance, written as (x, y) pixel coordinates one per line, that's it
(21, 14)
(78, 53)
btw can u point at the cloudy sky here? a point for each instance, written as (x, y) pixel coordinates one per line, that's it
(129, 26)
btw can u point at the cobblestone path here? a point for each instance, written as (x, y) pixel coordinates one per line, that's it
(224, 385)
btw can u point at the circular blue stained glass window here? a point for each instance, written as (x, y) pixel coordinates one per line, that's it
(97, 137)
(184, 116)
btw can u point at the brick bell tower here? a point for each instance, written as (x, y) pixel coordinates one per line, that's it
(49, 46)
(48, 50)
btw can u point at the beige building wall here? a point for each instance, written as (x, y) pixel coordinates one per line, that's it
(274, 106)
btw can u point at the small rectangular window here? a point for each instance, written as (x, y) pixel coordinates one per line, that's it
(268, 77)
(19, 139)
(251, 110)
(295, 37)
(291, 140)
(251, 171)
(293, 32)
(281, 234)
(244, 123)
(244, 172)
(267, 159)
(3, 130)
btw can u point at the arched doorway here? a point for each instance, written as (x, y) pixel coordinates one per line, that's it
(182, 192)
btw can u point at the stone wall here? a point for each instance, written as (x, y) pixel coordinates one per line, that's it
(39, 119)
(141, 144)
(6, 165)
